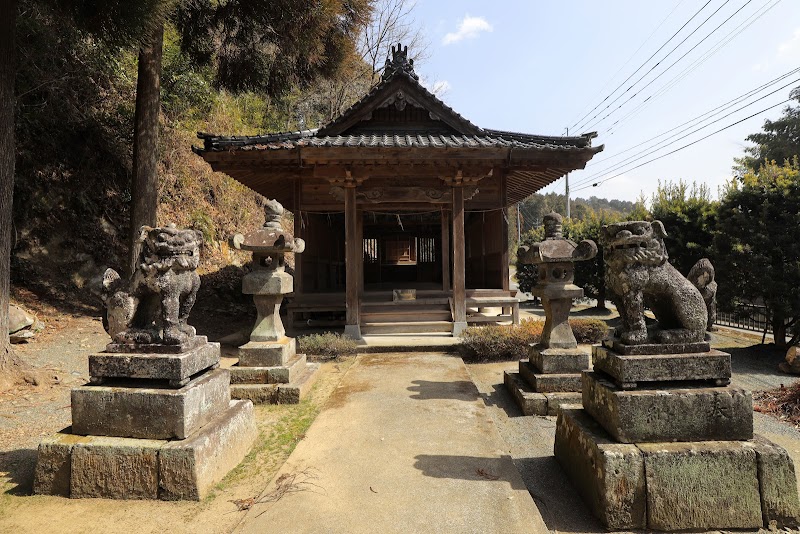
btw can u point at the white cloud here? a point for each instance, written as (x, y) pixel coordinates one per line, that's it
(790, 47)
(437, 87)
(468, 28)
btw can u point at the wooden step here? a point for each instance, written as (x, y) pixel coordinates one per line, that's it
(402, 317)
(442, 301)
(406, 327)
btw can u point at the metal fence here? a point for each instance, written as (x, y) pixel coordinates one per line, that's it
(747, 317)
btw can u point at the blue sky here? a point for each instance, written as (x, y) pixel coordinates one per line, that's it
(538, 66)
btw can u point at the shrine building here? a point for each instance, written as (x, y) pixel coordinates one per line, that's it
(402, 203)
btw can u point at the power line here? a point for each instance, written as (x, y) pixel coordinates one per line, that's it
(634, 54)
(730, 36)
(697, 120)
(684, 146)
(639, 68)
(674, 62)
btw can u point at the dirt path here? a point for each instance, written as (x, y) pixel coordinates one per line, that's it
(28, 414)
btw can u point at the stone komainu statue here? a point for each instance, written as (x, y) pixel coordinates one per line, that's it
(702, 276)
(638, 275)
(155, 305)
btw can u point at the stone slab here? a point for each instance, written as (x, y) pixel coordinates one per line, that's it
(115, 468)
(628, 371)
(189, 468)
(529, 402)
(661, 348)
(548, 360)
(157, 348)
(177, 367)
(267, 354)
(701, 485)
(780, 507)
(556, 400)
(609, 476)
(131, 409)
(291, 393)
(548, 383)
(54, 463)
(265, 282)
(667, 412)
(269, 375)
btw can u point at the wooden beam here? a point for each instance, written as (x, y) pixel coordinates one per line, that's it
(298, 232)
(504, 234)
(352, 320)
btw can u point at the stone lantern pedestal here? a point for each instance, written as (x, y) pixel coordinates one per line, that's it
(269, 369)
(551, 376)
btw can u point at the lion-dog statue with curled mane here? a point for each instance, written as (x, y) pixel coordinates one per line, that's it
(639, 275)
(155, 305)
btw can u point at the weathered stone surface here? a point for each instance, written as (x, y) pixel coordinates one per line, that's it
(154, 366)
(545, 383)
(267, 354)
(189, 468)
(639, 275)
(115, 468)
(264, 282)
(701, 485)
(530, 402)
(656, 348)
(630, 370)
(54, 463)
(278, 393)
(609, 476)
(778, 485)
(669, 413)
(256, 393)
(18, 319)
(269, 375)
(157, 348)
(127, 409)
(792, 363)
(559, 360)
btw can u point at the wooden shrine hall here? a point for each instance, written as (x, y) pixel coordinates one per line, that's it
(402, 203)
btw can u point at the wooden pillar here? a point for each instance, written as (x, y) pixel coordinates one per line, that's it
(445, 250)
(298, 232)
(504, 233)
(360, 239)
(459, 262)
(353, 254)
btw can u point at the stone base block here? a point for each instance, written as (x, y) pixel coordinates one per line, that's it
(677, 486)
(609, 476)
(127, 468)
(269, 375)
(559, 360)
(536, 403)
(290, 393)
(174, 367)
(131, 409)
(267, 354)
(628, 371)
(548, 383)
(662, 348)
(157, 348)
(669, 413)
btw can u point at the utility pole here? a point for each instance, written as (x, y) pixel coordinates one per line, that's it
(566, 182)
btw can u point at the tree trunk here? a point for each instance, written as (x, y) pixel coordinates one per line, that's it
(144, 187)
(8, 15)
(779, 331)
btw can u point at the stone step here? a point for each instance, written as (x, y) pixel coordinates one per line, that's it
(267, 353)
(269, 375)
(136, 408)
(536, 403)
(77, 466)
(290, 393)
(549, 383)
(406, 327)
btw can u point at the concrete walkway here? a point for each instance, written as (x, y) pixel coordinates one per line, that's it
(405, 444)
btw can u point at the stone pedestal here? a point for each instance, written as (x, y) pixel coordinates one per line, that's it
(153, 425)
(663, 443)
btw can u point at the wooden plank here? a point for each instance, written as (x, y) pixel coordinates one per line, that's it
(459, 260)
(351, 256)
(504, 257)
(445, 250)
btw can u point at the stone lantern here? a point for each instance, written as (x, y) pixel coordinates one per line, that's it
(552, 376)
(268, 363)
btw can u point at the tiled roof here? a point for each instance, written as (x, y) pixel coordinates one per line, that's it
(308, 138)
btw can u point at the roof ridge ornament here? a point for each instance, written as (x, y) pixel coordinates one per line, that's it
(399, 62)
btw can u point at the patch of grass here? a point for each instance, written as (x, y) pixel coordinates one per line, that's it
(498, 343)
(325, 346)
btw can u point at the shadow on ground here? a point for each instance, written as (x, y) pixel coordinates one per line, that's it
(16, 470)
(466, 468)
(463, 390)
